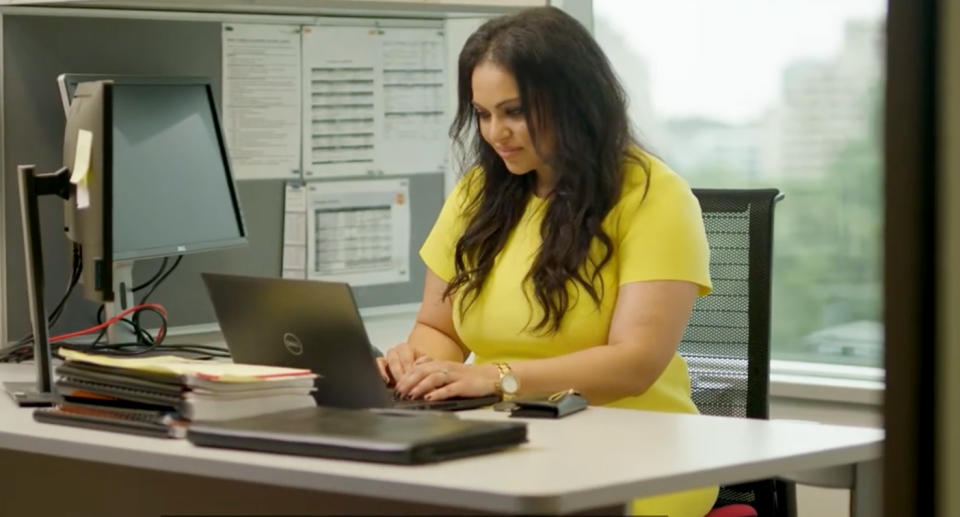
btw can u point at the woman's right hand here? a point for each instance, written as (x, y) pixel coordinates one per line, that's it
(398, 361)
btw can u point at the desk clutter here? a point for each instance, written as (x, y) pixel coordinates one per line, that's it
(262, 408)
(157, 396)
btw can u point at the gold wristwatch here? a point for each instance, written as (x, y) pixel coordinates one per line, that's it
(507, 385)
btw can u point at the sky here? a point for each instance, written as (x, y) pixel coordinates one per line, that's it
(723, 59)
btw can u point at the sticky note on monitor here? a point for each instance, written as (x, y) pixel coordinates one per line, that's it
(81, 166)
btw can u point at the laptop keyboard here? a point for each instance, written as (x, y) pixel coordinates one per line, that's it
(451, 404)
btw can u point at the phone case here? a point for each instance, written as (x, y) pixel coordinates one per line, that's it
(557, 405)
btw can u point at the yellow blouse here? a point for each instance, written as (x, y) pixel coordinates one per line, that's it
(657, 236)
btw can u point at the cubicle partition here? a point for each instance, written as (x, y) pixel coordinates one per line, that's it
(38, 47)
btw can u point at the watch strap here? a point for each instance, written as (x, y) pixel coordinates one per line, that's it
(504, 370)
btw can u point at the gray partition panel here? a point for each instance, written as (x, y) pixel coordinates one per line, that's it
(38, 48)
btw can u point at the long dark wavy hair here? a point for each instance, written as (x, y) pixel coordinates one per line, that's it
(566, 85)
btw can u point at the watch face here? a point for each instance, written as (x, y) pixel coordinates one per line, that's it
(509, 384)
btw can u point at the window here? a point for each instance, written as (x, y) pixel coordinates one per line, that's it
(786, 94)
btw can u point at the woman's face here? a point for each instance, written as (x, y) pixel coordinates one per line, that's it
(503, 125)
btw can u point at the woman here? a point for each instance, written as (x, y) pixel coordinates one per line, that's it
(567, 257)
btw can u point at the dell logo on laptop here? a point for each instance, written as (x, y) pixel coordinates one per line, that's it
(292, 343)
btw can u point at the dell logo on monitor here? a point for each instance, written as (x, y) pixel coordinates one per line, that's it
(292, 343)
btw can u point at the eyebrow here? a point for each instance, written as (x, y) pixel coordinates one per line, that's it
(501, 103)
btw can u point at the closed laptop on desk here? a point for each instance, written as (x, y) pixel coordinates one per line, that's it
(385, 436)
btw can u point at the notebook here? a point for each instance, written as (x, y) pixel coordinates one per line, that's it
(313, 325)
(383, 436)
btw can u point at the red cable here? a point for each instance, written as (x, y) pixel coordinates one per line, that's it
(159, 308)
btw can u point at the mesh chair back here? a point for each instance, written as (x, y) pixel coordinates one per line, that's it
(727, 341)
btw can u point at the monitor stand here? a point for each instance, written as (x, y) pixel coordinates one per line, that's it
(122, 300)
(32, 186)
(25, 394)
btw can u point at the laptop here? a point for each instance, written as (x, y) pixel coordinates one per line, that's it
(315, 325)
(356, 434)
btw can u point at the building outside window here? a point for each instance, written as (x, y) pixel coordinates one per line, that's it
(775, 93)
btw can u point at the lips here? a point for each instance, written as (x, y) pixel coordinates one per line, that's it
(508, 152)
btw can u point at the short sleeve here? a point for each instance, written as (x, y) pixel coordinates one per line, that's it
(438, 249)
(662, 235)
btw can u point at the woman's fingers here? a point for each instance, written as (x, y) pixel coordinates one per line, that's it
(430, 382)
(410, 380)
(400, 360)
(454, 389)
(384, 370)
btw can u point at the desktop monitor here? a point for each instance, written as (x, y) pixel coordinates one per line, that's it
(158, 180)
(146, 174)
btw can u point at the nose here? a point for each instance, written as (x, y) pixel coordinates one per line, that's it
(499, 129)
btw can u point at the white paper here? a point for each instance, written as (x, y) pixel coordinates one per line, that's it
(359, 231)
(295, 228)
(295, 231)
(374, 101)
(294, 261)
(261, 99)
(414, 101)
(341, 89)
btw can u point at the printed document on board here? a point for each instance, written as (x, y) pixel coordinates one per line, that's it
(359, 231)
(261, 100)
(414, 101)
(374, 101)
(295, 231)
(341, 86)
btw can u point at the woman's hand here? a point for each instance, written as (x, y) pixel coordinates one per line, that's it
(398, 361)
(436, 380)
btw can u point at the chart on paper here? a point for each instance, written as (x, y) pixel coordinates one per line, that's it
(414, 100)
(359, 231)
(374, 101)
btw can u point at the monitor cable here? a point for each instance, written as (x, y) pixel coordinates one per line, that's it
(145, 342)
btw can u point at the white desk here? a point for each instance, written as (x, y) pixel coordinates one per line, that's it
(597, 458)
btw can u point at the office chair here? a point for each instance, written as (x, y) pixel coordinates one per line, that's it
(727, 341)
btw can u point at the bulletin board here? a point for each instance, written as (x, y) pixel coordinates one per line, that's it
(37, 48)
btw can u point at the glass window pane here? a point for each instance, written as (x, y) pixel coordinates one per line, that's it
(786, 94)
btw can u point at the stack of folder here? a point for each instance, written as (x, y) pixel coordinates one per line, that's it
(158, 395)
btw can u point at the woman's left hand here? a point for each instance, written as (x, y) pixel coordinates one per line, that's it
(437, 380)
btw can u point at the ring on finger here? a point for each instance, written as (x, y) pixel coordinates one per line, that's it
(446, 376)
